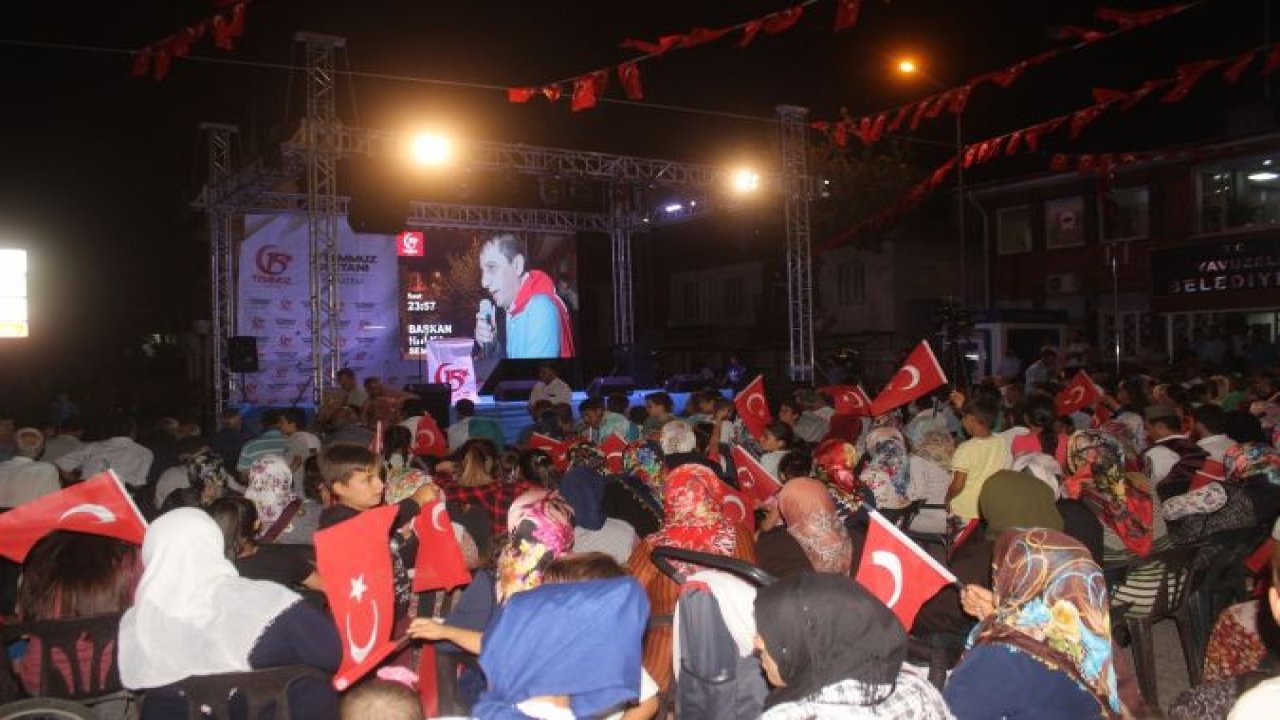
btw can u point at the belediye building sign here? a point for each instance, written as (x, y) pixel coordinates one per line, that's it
(1217, 267)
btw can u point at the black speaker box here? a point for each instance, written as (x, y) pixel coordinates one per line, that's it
(437, 399)
(242, 354)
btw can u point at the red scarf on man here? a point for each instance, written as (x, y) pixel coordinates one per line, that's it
(535, 283)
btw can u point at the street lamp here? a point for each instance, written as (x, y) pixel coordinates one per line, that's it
(908, 66)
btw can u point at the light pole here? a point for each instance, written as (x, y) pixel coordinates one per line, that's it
(907, 66)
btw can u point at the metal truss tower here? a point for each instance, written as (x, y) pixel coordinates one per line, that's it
(320, 132)
(222, 261)
(796, 189)
(624, 319)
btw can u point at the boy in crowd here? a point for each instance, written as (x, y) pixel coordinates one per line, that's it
(977, 458)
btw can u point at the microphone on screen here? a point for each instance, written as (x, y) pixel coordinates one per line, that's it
(486, 314)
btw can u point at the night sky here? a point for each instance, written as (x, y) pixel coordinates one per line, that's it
(97, 169)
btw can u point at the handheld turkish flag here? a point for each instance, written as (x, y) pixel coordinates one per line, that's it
(1212, 471)
(429, 440)
(1079, 394)
(97, 506)
(753, 407)
(753, 479)
(613, 447)
(739, 507)
(919, 375)
(354, 558)
(897, 571)
(850, 399)
(440, 565)
(557, 449)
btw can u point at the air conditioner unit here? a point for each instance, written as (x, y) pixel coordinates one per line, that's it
(1062, 284)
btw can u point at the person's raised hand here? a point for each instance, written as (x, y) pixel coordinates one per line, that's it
(427, 629)
(977, 601)
(428, 493)
(957, 399)
(484, 329)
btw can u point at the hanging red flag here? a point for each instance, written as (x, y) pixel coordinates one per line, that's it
(1273, 61)
(919, 375)
(613, 447)
(160, 64)
(520, 95)
(897, 571)
(588, 88)
(142, 63)
(701, 36)
(429, 440)
(749, 31)
(97, 506)
(849, 399)
(753, 407)
(440, 564)
(1078, 394)
(1238, 66)
(551, 92)
(629, 77)
(739, 507)
(1130, 19)
(354, 558)
(665, 43)
(1189, 75)
(775, 23)
(237, 20)
(1085, 35)
(1082, 119)
(753, 479)
(847, 12)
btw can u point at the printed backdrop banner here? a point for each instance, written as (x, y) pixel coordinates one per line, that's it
(273, 306)
(449, 361)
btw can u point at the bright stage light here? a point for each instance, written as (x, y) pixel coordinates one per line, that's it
(673, 207)
(432, 150)
(906, 66)
(746, 180)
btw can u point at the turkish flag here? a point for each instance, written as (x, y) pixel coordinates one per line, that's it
(97, 506)
(1210, 472)
(739, 507)
(1079, 394)
(440, 565)
(557, 449)
(753, 479)
(613, 447)
(919, 375)
(430, 440)
(354, 558)
(850, 399)
(897, 571)
(753, 407)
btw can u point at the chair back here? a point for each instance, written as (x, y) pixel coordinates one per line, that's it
(1175, 579)
(212, 696)
(65, 671)
(282, 523)
(662, 557)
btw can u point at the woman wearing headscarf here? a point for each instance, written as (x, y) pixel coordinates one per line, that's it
(1009, 499)
(1043, 646)
(693, 521)
(886, 471)
(832, 650)
(833, 464)
(194, 615)
(635, 496)
(271, 492)
(930, 469)
(1122, 500)
(564, 651)
(804, 518)
(583, 488)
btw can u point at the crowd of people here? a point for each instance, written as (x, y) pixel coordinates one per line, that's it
(1049, 522)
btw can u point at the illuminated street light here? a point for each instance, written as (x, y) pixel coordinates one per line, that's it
(431, 150)
(745, 180)
(906, 66)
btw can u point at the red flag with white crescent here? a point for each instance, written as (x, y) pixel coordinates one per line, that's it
(919, 375)
(613, 447)
(97, 506)
(354, 558)
(557, 449)
(739, 507)
(430, 440)
(1079, 394)
(849, 399)
(897, 571)
(440, 564)
(753, 479)
(753, 407)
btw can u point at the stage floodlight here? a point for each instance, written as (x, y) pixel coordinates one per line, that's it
(745, 180)
(431, 150)
(13, 293)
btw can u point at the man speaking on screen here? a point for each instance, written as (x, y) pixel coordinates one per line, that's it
(537, 321)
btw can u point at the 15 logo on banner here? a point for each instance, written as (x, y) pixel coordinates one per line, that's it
(410, 243)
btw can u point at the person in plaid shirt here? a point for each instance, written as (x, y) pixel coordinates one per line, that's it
(475, 483)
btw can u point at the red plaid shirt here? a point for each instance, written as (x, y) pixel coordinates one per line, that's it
(495, 497)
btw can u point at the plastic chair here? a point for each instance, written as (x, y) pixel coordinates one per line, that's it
(1170, 602)
(45, 709)
(662, 557)
(212, 696)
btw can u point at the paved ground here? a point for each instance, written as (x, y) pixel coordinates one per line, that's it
(1171, 670)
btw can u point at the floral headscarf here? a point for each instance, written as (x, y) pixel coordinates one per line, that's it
(811, 519)
(643, 461)
(1126, 436)
(1246, 461)
(207, 473)
(693, 518)
(585, 455)
(886, 470)
(833, 463)
(1051, 603)
(270, 488)
(936, 445)
(540, 530)
(1096, 475)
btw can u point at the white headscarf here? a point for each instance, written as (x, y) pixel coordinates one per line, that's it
(193, 614)
(1045, 467)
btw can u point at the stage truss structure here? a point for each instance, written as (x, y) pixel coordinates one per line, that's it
(321, 141)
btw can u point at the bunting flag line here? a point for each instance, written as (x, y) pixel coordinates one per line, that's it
(1028, 139)
(870, 129)
(225, 26)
